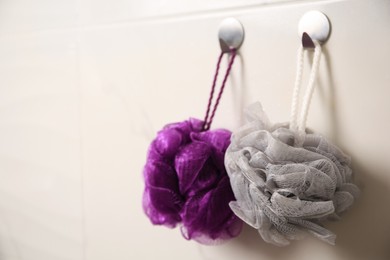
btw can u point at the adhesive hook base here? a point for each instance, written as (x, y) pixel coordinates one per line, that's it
(316, 25)
(230, 34)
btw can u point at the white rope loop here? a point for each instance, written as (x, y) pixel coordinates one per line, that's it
(296, 125)
(297, 88)
(310, 87)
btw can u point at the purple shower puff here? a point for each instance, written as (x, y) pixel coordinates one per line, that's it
(186, 182)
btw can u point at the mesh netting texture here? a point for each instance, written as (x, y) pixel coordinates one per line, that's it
(283, 189)
(186, 182)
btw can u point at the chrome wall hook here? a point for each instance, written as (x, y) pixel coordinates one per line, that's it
(313, 26)
(230, 34)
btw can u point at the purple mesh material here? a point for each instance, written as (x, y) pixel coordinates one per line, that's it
(186, 182)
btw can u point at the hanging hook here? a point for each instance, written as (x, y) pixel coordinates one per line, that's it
(313, 26)
(230, 34)
(307, 41)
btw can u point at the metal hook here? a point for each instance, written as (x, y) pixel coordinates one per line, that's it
(230, 34)
(313, 26)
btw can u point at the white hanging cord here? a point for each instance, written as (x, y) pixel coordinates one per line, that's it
(296, 126)
(310, 88)
(297, 88)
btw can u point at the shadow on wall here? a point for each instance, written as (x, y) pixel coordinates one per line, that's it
(325, 84)
(251, 242)
(364, 231)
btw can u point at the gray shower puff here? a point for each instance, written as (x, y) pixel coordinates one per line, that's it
(283, 189)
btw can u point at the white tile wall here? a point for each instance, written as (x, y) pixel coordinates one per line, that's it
(21, 16)
(40, 157)
(84, 86)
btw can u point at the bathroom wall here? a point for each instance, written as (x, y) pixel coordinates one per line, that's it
(85, 85)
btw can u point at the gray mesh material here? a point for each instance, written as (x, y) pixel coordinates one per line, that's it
(283, 189)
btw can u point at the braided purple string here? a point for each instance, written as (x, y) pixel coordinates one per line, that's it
(212, 90)
(207, 122)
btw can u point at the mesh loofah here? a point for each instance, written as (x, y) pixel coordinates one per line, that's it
(186, 182)
(284, 186)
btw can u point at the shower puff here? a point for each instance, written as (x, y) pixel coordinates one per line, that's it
(186, 182)
(285, 184)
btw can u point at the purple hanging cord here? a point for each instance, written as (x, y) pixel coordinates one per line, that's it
(207, 121)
